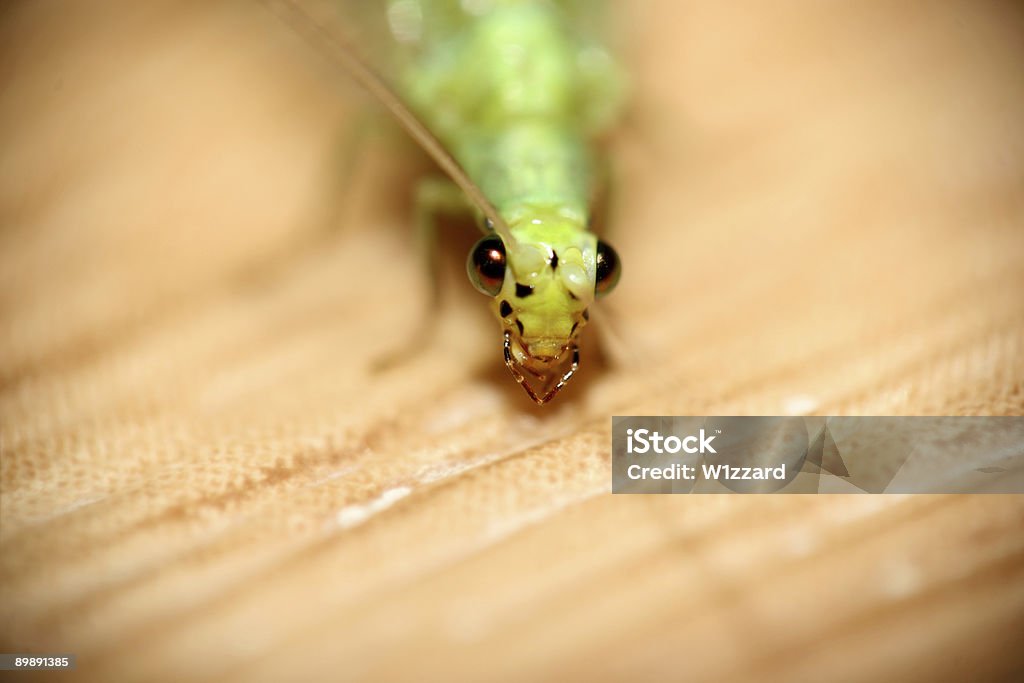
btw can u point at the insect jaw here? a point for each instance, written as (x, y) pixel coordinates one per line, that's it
(540, 369)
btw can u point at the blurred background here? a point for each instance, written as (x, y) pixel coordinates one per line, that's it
(820, 210)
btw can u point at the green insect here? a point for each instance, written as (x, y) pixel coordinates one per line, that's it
(508, 98)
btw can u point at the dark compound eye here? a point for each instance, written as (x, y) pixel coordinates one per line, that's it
(486, 265)
(609, 270)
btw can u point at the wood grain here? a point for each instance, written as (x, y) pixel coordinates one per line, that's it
(820, 209)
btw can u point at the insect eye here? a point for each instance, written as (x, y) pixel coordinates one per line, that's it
(608, 269)
(486, 265)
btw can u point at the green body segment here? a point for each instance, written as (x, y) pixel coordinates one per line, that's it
(517, 97)
(503, 94)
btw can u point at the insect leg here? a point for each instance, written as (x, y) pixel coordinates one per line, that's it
(602, 88)
(435, 196)
(612, 341)
(358, 136)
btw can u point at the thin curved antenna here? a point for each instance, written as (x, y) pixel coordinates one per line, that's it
(331, 44)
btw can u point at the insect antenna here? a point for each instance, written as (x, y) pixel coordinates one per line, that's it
(328, 40)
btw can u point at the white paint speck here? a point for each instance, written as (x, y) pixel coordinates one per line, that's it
(800, 542)
(900, 579)
(354, 515)
(799, 404)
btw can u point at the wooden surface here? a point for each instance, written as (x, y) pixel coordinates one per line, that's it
(820, 210)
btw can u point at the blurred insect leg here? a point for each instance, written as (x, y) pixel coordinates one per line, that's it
(620, 346)
(602, 84)
(435, 197)
(608, 109)
(617, 347)
(602, 198)
(365, 126)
